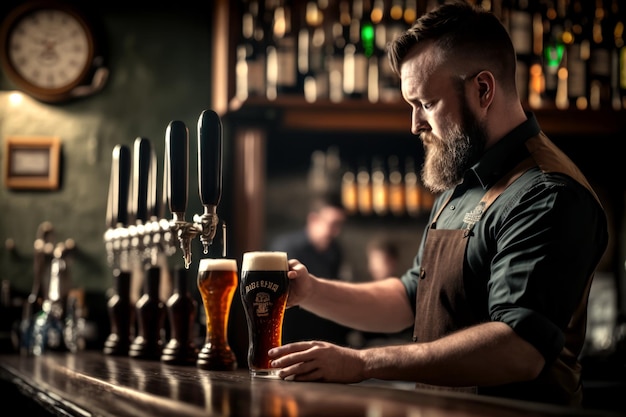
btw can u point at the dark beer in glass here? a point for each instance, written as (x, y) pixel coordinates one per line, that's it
(217, 282)
(264, 289)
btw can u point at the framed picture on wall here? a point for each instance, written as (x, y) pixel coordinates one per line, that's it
(32, 162)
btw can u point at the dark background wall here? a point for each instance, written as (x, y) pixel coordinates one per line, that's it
(160, 70)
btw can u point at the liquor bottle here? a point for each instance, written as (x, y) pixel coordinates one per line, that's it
(250, 65)
(412, 189)
(553, 50)
(396, 187)
(312, 74)
(578, 54)
(520, 30)
(349, 192)
(364, 190)
(410, 12)
(537, 82)
(393, 23)
(380, 187)
(317, 180)
(355, 63)
(281, 62)
(618, 74)
(600, 60)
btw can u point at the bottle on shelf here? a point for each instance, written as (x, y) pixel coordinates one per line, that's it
(380, 187)
(578, 54)
(349, 198)
(412, 189)
(355, 60)
(600, 60)
(364, 190)
(312, 73)
(250, 65)
(520, 30)
(396, 187)
(618, 59)
(281, 62)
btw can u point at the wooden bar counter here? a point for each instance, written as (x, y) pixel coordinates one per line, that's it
(90, 383)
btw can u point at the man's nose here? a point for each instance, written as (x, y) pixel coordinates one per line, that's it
(418, 123)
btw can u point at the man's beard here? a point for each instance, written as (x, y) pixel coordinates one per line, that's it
(449, 157)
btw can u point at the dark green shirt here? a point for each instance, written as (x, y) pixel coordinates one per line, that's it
(533, 250)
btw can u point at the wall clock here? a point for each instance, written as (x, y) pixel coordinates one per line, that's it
(49, 50)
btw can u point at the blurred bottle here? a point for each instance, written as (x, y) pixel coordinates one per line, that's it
(578, 54)
(412, 189)
(364, 189)
(250, 66)
(355, 60)
(618, 59)
(380, 187)
(281, 64)
(349, 192)
(600, 60)
(396, 187)
(520, 29)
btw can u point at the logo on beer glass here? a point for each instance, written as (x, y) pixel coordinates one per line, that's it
(262, 304)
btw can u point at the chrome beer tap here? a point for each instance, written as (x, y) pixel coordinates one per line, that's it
(117, 207)
(209, 180)
(120, 311)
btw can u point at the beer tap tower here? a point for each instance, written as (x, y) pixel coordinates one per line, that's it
(151, 235)
(209, 180)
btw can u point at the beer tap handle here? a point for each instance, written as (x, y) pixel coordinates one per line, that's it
(117, 203)
(209, 173)
(210, 158)
(117, 208)
(142, 205)
(154, 203)
(177, 154)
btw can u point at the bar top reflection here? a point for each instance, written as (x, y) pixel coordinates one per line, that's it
(90, 383)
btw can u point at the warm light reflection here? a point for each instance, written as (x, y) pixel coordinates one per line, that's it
(16, 98)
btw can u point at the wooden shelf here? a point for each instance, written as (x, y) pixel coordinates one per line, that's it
(294, 113)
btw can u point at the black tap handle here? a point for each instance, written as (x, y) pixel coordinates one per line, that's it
(177, 154)
(210, 158)
(117, 203)
(142, 154)
(154, 203)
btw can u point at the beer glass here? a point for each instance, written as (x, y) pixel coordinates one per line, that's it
(263, 290)
(217, 282)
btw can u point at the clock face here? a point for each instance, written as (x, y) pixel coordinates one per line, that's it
(49, 48)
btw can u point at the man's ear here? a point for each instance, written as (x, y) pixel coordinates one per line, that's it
(486, 88)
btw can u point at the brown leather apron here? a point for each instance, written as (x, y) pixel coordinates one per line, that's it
(445, 300)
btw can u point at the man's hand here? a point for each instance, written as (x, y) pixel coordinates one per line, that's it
(318, 361)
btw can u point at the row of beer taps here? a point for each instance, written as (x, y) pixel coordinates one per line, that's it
(137, 230)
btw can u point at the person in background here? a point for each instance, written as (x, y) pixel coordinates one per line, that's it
(498, 288)
(383, 257)
(316, 245)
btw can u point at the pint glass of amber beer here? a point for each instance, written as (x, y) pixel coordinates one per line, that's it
(263, 289)
(217, 282)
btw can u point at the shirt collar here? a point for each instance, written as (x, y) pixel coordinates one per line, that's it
(505, 154)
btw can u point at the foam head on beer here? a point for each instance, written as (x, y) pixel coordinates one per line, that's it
(218, 264)
(265, 261)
